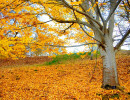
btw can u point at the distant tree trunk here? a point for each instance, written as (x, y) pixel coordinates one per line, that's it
(110, 76)
(91, 57)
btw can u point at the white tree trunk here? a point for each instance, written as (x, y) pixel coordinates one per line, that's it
(110, 76)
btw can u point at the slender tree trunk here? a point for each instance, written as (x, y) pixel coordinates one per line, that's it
(110, 76)
(91, 57)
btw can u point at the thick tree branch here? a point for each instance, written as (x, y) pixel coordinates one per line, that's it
(63, 2)
(100, 14)
(122, 40)
(85, 31)
(89, 35)
(91, 22)
(91, 28)
(83, 13)
(110, 14)
(70, 21)
(83, 28)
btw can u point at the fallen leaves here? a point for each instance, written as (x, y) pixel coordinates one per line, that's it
(69, 81)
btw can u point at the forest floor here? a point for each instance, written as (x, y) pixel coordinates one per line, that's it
(78, 79)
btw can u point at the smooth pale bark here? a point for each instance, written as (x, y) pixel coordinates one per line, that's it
(110, 76)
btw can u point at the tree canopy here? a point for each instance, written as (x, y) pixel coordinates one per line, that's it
(22, 27)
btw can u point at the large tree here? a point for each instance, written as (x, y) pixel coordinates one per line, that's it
(98, 16)
(84, 17)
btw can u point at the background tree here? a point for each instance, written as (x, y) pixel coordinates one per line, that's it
(90, 20)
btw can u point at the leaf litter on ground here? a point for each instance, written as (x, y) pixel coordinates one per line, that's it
(74, 80)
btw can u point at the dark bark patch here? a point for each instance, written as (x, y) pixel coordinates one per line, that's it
(108, 87)
(102, 46)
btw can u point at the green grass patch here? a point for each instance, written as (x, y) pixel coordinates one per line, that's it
(60, 59)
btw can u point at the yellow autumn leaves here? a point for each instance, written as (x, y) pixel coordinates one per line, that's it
(13, 47)
(76, 79)
(22, 17)
(23, 20)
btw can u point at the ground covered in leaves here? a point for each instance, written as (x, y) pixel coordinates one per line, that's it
(78, 79)
(24, 61)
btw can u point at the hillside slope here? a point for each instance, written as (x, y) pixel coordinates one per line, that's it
(78, 79)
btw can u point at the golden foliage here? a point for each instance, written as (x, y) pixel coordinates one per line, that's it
(22, 17)
(19, 20)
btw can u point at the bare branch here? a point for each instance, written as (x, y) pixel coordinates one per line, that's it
(100, 14)
(72, 45)
(91, 22)
(117, 36)
(83, 13)
(110, 14)
(83, 28)
(47, 44)
(19, 5)
(120, 30)
(126, 10)
(89, 35)
(32, 25)
(15, 34)
(68, 27)
(70, 21)
(126, 44)
(122, 40)
(128, 3)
